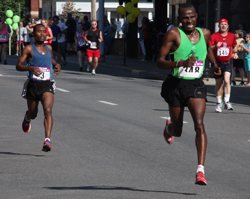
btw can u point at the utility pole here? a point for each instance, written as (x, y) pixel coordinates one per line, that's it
(101, 27)
(217, 16)
(93, 10)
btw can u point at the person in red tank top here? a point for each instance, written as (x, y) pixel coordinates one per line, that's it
(49, 37)
(223, 44)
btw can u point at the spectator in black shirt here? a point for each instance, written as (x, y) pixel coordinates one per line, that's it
(71, 24)
(86, 22)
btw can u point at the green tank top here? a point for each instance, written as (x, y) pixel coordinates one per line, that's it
(185, 51)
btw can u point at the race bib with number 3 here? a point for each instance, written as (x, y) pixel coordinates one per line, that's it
(45, 74)
(223, 51)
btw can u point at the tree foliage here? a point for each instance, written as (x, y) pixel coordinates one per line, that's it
(14, 6)
(68, 7)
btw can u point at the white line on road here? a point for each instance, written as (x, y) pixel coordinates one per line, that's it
(63, 90)
(109, 103)
(168, 118)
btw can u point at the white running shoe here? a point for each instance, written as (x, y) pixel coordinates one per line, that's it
(218, 108)
(93, 72)
(88, 68)
(228, 106)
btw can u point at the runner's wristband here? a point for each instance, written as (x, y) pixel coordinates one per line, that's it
(176, 66)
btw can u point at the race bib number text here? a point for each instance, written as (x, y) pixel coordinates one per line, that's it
(45, 74)
(193, 72)
(93, 45)
(223, 51)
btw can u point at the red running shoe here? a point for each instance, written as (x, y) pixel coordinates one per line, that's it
(200, 179)
(169, 138)
(26, 126)
(46, 146)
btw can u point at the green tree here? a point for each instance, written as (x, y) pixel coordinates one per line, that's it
(68, 7)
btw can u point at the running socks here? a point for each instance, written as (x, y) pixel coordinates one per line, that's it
(200, 169)
(218, 99)
(47, 139)
(226, 98)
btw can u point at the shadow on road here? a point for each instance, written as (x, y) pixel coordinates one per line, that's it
(115, 188)
(11, 153)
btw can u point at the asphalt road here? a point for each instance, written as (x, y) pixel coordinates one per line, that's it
(107, 142)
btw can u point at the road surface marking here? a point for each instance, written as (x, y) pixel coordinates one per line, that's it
(63, 90)
(109, 103)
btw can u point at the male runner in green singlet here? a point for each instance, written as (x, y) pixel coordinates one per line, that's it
(190, 47)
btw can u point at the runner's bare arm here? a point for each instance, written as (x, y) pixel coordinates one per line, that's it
(172, 41)
(26, 56)
(210, 53)
(168, 41)
(100, 39)
(85, 36)
(235, 50)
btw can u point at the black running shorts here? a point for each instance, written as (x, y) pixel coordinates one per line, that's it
(176, 92)
(70, 38)
(35, 89)
(225, 67)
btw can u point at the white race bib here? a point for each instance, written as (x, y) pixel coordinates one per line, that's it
(82, 42)
(2, 37)
(193, 72)
(223, 51)
(45, 74)
(93, 45)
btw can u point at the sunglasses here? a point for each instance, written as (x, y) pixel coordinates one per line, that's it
(93, 24)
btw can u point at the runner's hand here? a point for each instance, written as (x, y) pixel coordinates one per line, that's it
(217, 70)
(218, 44)
(190, 61)
(57, 69)
(235, 56)
(36, 71)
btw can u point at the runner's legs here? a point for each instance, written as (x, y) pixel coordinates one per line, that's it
(47, 103)
(197, 108)
(176, 114)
